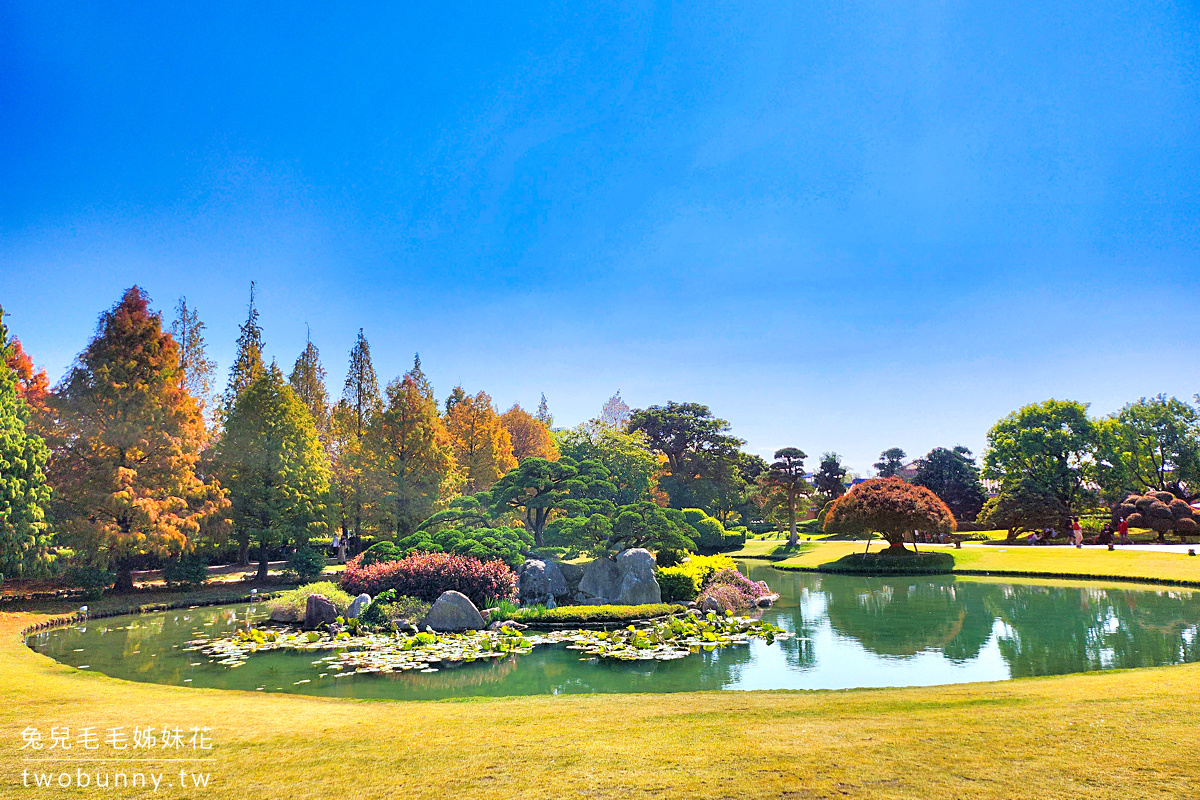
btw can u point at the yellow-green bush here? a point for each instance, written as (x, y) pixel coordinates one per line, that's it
(684, 581)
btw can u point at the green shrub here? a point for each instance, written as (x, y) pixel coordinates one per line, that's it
(289, 606)
(588, 614)
(187, 571)
(503, 609)
(93, 580)
(486, 544)
(887, 562)
(677, 583)
(381, 551)
(306, 563)
(388, 607)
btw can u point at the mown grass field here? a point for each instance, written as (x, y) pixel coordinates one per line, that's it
(1119, 563)
(1098, 735)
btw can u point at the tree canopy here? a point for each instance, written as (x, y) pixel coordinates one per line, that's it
(891, 508)
(1151, 445)
(890, 463)
(1050, 443)
(953, 476)
(784, 482)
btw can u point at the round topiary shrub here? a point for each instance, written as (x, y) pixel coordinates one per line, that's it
(1161, 512)
(306, 563)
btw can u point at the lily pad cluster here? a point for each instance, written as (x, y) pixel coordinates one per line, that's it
(375, 653)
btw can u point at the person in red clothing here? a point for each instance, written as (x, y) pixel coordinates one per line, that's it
(1077, 531)
(1123, 531)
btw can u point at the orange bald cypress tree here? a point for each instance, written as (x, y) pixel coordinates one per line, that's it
(482, 447)
(530, 436)
(127, 444)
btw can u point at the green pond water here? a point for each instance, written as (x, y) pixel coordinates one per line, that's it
(847, 632)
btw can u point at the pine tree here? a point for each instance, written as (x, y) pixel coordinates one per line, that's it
(127, 445)
(308, 381)
(24, 494)
(274, 467)
(197, 368)
(457, 395)
(248, 363)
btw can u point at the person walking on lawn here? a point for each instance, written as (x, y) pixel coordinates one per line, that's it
(1077, 531)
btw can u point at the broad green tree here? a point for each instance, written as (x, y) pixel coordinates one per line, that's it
(702, 458)
(953, 476)
(537, 488)
(274, 467)
(1024, 505)
(1051, 443)
(829, 479)
(1150, 445)
(890, 463)
(633, 468)
(24, 493)
(786, 479)
(127, 444)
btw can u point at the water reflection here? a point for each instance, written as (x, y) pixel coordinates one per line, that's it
(847, 632)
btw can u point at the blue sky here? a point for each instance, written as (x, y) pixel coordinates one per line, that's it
(843, 226)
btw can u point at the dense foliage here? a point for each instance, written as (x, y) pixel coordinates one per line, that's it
(953, 476)
(427, 575)
(1161, 512)
(891, 508)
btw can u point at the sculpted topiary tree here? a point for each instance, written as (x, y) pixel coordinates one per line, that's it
(1025, 506)
(1160, 512)
(891, 508)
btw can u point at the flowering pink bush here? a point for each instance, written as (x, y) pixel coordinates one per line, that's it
(427, 575)
(733, 590)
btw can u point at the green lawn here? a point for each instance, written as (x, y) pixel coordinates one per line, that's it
(1065, 561)
(1098, 735)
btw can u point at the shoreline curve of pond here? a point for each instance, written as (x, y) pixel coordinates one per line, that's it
(846, 632)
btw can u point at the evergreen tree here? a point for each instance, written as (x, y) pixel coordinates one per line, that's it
(543, 413)
(457, 395)
(24, 494)
(362, 402)
(954, 477)
(194, 364)
(274, 467)
(890, 463)
(248, 363)
(828, 480)
(127, 444)
(308, 382)
(418, 376)
(785, 485)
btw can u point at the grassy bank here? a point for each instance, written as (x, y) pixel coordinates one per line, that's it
(1065, 561)
(1100, 735)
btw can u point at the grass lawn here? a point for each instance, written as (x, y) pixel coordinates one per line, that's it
(1050, 560)
(1099, 735)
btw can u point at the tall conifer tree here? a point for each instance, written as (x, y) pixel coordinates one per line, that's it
(308, 381)
(248, 363)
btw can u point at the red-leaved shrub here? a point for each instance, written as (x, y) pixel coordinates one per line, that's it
(427, 575)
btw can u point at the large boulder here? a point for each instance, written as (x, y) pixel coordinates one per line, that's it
(318, 612)
(629, 580)
(358, 606)
(453, 611)
(638, 584)
(540, 583)
(572, 574)
(601, 580)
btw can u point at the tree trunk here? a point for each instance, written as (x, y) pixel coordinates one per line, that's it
(244, 554)
(793, 537)
(124, 582)
(263, 563)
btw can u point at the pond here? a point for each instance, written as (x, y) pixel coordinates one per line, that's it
(846, 632)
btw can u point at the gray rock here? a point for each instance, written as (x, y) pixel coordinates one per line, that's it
(766, 601)
(572, 574)
(318, 611)
(508, 623)
(453, 611)
(541, 582)
(627, 581)
(712, 604)
(601, 580)
(638, 584)
(358, 606)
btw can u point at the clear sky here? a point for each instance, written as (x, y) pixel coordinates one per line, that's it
(843, 226)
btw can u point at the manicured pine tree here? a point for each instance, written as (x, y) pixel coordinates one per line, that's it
(24, 493)
(127, 444)
(275, 469)
(785, 480)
